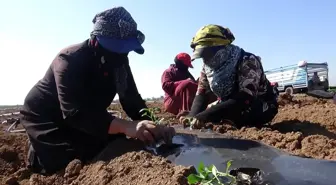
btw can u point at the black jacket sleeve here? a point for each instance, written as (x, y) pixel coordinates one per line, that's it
(228, 109)
(199, 104)
(69, 75)
(132, 101)
(202, 97)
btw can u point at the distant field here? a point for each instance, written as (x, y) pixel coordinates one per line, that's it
(9, 106)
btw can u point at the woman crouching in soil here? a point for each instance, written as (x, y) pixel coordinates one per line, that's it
(236, 77)
(65, 114)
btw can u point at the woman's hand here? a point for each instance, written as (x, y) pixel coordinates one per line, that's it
(183, 118)
(187, 121)
(182, 113)
(149, 132)
(191, 121)
(146, 131)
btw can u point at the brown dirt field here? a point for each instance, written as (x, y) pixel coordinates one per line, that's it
(304, 126)
(130, 168)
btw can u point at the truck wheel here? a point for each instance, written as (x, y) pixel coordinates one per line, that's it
(289, 91)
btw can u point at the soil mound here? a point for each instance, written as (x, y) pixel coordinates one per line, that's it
(131, 168)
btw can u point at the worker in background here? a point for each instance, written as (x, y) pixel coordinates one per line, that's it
(179, 85)
(315, 83)
(316, 79)
(235, 76)
(275, 86)
(65, 113)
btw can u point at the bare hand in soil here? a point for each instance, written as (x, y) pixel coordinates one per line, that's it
(184, 121)
(150, 133)
(196, 124)
(190, 121)
(182, 113)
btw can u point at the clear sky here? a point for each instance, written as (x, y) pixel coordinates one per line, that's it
(281, 32)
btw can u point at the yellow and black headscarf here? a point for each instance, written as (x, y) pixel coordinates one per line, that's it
(209, 36)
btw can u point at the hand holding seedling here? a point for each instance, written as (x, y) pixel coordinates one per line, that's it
(190, 121)
(149, 132)
(187, 121)
(160, 132)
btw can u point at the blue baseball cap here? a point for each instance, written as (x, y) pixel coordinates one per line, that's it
(120, 45)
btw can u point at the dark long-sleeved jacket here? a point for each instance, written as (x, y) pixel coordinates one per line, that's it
(66, 110)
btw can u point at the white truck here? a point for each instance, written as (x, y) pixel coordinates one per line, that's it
(297, 78)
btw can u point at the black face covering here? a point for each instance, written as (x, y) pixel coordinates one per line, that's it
(181, 66)
(114, 59)
(209, 52)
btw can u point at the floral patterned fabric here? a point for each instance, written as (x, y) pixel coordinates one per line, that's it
(233, 68)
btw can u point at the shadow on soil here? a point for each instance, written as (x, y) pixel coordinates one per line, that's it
(307, 128)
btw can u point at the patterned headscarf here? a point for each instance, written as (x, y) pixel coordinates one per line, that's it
(208, 36)
(221, 68)
(117, 31)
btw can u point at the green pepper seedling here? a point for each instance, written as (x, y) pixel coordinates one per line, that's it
(209, 175)
(151, 114)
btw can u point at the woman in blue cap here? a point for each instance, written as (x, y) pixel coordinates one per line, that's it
(65, 113)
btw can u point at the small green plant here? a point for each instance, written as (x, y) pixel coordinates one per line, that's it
(209, 175)
(151, 114)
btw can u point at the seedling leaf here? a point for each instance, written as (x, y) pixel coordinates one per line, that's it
(143, 110)
(193, 179)
(209, 175)
(150, 113)
(228, 165)
(145, 114)
(214, 171)
(201, 167)
(209, 169)
(202, 175)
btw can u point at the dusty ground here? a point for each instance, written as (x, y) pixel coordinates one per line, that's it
(304, 126)
(131, 168)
